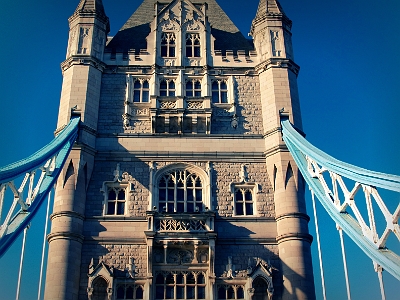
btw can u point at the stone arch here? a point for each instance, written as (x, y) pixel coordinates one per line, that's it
(204, 177)
(100, 289)
(261, 287)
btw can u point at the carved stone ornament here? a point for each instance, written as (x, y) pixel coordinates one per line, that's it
(180, 257)
(194, 104)
(167, 104)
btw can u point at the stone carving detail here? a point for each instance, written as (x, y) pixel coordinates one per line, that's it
(275, 41)
(98, 44)
(219, 112)
(193, 21)
(71, 43)
(167, 104)
(84, 41)
(194, 62)
(181, 225)
(180, 257)
(169, 21)
(140, 112)
(194, 104)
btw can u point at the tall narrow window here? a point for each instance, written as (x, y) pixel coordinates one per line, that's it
(193, 88)
(192, 45)
(180, 191)
(115, 201)
(243, 202)
(129, 291)
(168, 44)
(219, 91)
(141, 91)
(230, 292)
(167, 88)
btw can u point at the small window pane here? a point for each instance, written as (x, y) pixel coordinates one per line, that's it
(201, 292)
(249, 208)
(129, 292)
(163, 85)
(136, 96)
(190, 207)
(198, 195)
(164, 51)
(137, 85)
(170, 279)
(197, 85)
(139, 293)
(160, 292)
(201, 279)
(224, 97)
(180, 207)
(120, 208)
(190, 279)
(223, 85)
(180, 292)
(231, 293)
(196, 52)
(120, 292)
(146, 96)
(190, 292)
(171, 51)
(170, 207)
(240, 293)
(170, 195)
(221, 293)
(145, 84)
(171, 85)
(169, 292)
(239, 209)
(160, 279)
(171, 183)
(189, 51)
(112, 195)
(215, 97)
(121, 195)
(180, 194)
(239, 195)
(179, 279)
(248, 195)
(111, 208)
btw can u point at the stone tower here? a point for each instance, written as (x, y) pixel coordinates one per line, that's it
(179, 186)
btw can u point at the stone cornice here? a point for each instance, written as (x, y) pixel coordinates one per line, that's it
(84, 60)
(294, 236)
(63, 235)
(70, 214)
(276, 149)
(293, 215)
(278, 63)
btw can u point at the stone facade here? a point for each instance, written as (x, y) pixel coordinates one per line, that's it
(179, 185)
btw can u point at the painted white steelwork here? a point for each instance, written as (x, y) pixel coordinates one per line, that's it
(329, 180)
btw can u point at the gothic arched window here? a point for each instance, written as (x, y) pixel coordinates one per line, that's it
(167, 88)
(192, 45)
(141, 91)
(168, 44)
(180, 191)
(193, 88)
(219, 91)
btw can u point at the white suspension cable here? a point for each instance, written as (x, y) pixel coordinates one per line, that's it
(44, 245)
(21, 263)
(319, 245)
(344, 262)
(379, 271)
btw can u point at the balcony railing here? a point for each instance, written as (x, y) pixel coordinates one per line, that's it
(181, 222)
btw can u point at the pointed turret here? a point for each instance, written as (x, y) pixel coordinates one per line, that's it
(82, 74)
(278, 81)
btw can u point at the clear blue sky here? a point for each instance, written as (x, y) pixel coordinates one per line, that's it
(349, 90)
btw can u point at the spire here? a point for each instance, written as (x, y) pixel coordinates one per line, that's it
(268, 7)
(91, 7)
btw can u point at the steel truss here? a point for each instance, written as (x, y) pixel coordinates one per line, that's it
(41, 172)
(328, 179)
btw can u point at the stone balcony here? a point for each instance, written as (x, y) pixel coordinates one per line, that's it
(165, 223)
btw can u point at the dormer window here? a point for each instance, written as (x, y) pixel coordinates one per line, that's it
(193, 88)
(167, 88)
(192, 45)
(219, 91)
(168, 44)
(141, 91)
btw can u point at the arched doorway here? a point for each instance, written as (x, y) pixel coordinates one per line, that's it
(260, 289)
(100, 289)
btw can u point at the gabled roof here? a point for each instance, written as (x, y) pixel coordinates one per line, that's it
(133, 34)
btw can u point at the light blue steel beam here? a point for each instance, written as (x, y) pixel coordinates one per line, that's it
(55, 152)
(300, 149)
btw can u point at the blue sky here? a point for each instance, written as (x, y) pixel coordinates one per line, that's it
(348, 83)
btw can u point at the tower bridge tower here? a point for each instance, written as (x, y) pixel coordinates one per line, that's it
(179, 186)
